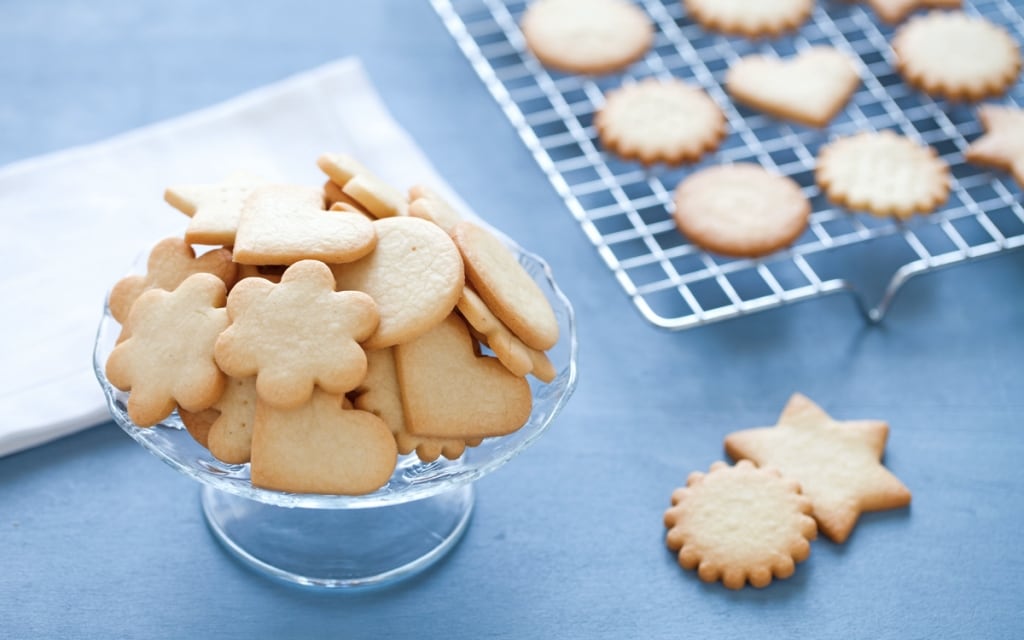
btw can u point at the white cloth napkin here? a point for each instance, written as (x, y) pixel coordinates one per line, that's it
(75, 221)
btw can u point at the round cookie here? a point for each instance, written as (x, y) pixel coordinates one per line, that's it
(956, 56)
(740, 210)
(660, 121)
(750, 18)
(507, 289)
(882, 173)
(587, 36)
(414, 275)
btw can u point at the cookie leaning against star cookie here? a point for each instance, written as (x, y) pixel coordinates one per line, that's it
(655, 121)
(168, 359)
(882, 173)
(740, 524)
(586, 36)
(297, 334)
(956, 56)
(836, 463)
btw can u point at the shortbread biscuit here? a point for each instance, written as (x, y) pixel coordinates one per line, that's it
(380, 395)
(296, 334)
(376, 196)
(320, 447)
(168, 359)
(337, 200)
(414, 275)
(740, 210)
(809, 88)
(836, 463)
(282, 224)
(169, 263)
(1002, 146)
(226, 428)
(883, 173)
(426, 203)
(655, 120)
(587, 36)
(516, 356)
(448, 391)
(340, 167)
(506, 287)
(750, 18)
(894, 11)
(271, 273)
(214, 208)
(740, 524)
(956, 56)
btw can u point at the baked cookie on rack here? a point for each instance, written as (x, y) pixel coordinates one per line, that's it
(894, 11)
(1002, 146)
(587, 36)
(655, 121)
(956, 56)
(740, 210)
(750, 18)
(882, 173)
(810, 87)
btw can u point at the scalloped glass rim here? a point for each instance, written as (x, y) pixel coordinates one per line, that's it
(412, 479)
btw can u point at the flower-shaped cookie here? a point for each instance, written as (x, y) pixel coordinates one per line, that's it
(168, 359)
(297, 334)
(739, 524)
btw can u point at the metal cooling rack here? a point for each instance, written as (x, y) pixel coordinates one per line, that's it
(625, 210)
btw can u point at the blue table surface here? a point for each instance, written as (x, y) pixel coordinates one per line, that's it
(98, 539)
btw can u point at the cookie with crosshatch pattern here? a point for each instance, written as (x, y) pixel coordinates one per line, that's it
(750, 18)
(956, 56)
(656, 120)
(586, 36)
(740, 210)
(740, 524)
(882, 173)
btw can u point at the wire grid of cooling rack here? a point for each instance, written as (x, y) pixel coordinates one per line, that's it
(625, 209)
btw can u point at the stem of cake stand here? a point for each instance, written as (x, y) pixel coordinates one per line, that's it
(340, 549)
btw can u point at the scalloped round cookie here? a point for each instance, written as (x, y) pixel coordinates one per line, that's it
(660, 121)
(956, 56)
(882, 173)
(740, 524)
(750, 18)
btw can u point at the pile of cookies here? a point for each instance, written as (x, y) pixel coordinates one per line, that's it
(753, 522)
(334, 328)
(744, 210)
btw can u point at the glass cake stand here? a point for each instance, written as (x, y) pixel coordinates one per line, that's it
(348, 542)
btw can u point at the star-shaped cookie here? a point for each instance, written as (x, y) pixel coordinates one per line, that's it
(837, 463)
(1002, 146)
(214, 208)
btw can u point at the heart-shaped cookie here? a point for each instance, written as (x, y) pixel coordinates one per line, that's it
(809, 88)
(321, 447)
(448, 391)
(282, 224)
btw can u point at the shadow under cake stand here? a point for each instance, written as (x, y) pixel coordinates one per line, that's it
(346, 542)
